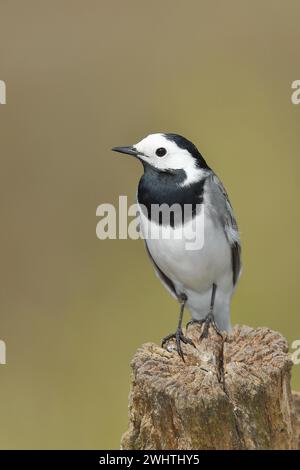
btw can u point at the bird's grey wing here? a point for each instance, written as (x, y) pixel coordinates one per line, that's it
(161, 275)
(221, 208)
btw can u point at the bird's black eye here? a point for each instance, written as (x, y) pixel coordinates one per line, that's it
(161, 152)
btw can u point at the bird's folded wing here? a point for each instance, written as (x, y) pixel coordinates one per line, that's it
(222, 209)
(161, 275)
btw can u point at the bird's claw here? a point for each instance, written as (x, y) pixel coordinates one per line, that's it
(209, 320)
(193, 322)
(178, 336)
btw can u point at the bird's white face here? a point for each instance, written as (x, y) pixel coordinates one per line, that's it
(164, 154)
(168, 153)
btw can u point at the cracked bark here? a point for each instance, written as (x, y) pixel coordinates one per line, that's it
(231, 394)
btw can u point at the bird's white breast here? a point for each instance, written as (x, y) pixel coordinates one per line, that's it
(190, 269)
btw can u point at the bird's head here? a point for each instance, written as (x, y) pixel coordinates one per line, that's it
(168, 153)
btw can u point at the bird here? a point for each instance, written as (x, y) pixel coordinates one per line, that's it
(204, 278)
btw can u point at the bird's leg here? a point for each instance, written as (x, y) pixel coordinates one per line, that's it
(209, 320)
(178, 336)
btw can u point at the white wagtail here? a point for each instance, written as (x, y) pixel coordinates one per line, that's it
(175, 173)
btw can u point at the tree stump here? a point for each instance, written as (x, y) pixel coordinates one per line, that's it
(230, 393)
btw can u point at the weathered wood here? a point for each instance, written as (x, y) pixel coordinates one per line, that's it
(231, 394)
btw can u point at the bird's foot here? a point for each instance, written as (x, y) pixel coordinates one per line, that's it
(209, 320)
(194, 322)
(178, 336)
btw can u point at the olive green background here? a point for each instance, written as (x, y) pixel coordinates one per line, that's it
(83, 76)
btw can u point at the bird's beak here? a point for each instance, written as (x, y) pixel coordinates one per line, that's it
(129, 150)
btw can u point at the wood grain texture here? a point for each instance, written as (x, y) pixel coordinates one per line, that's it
(228, 394)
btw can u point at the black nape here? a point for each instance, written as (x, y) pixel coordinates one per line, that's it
(186, 144)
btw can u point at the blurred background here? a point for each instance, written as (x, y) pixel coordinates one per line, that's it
(81, 77)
